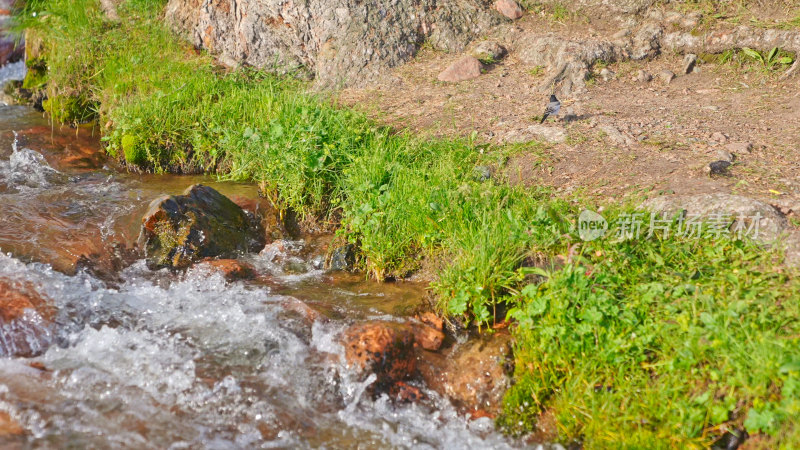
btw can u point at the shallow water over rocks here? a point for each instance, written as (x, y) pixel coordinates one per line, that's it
(159, 359)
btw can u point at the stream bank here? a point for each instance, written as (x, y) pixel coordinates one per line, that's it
(691, 336)
(132, 357)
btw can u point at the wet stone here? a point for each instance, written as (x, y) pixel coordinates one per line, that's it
(201, 223)
(383, 348)
(343, 258)
(231, 269)
(26, 319)
(475, 375)
(405, 393)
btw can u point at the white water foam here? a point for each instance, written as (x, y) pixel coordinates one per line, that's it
(166, 361)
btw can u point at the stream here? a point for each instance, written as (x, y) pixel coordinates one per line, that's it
(157, 359)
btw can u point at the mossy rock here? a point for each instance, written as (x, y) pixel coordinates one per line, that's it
(133, 152)
(36, 76)
(179, 230)
(65, 109)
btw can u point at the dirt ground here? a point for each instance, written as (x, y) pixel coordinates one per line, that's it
(623, 138)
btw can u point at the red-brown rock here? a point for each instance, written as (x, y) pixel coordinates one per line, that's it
(464, 69)
(432, 320)
(383, 348)
(231, 269)
(10, 51)
(405, 393)
(26, 319)
(474, 375)
(427, 337)
(509, 8)
(9, 426)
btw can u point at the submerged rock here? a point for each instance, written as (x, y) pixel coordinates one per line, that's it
(26, 319)
(383, 348)
(201, 223)
(231, 269)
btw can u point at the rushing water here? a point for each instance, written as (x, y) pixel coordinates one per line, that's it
(164, 360)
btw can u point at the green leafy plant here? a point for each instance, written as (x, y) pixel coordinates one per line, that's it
(768, 59)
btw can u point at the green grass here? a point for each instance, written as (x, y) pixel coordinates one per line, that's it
(642, 343)
(660, 341)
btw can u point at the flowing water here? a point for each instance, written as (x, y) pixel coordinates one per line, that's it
(164, 360)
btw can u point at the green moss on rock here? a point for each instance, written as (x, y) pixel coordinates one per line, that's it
(179, 230)
(65, 109)
(133, 152)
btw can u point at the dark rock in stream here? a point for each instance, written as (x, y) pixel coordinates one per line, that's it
(179, 230)
(343, 258)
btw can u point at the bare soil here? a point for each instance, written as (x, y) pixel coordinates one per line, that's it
(625, 139)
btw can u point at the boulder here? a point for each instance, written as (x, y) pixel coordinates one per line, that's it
(643, 77)
(689, 61)
(739, 148)
(489, 52)
(383, 348)
(26, 319)
(717, 167)
(464, 69)
(475, 375)
(336, 42)
(201, 223)
(509, 8)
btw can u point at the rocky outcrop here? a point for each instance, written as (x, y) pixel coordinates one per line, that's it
(336, 42)
(739, 212)
(202, 223)
(569, 61)
(26, 319)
